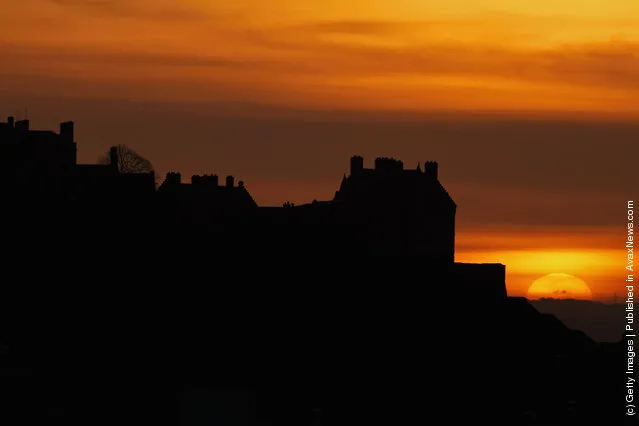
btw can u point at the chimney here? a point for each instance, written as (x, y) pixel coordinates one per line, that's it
(357, 164)
(430, 169)
(66, 132)
(11, 121)
(230, 181)
(113, 157)
(173, 178)
(22, 125)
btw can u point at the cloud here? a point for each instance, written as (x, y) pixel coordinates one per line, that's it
(502, 28)
(149, 65)
(355, 27)
(85, 2)
(119, 57)
(347, 51)
(613, 64)
(158, 10)
(382, 64)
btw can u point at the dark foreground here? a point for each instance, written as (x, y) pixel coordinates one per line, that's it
(363, 354)
(116, 325)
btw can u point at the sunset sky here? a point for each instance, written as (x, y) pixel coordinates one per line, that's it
(530, 106)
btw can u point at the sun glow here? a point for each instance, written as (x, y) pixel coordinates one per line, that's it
(559, 286)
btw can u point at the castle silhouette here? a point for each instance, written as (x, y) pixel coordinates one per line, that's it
(387, 210)
(45, 163)
(271, 309)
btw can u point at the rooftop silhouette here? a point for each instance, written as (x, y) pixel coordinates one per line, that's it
(233, 313)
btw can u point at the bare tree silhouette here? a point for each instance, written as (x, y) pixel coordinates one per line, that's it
(129, 161)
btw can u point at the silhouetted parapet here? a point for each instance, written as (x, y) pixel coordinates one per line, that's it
(26, 153)
(388, 165)
(205, 181)
(484, 282)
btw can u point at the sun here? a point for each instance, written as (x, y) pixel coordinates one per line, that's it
(559, 286)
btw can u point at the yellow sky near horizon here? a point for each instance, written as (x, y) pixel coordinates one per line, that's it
(554, 56)
(596, 255)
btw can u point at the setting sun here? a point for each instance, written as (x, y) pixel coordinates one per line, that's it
(559, 286)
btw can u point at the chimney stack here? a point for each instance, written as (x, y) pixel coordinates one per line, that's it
(430, 169)
(66, 132)
(22, 126)
(357, 164)
(230, 181)
(173, 178)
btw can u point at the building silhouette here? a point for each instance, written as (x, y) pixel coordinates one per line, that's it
(384, 211)
(45, 163)
(204, 200)
(196, 303)
(408, 212)
(26, 152)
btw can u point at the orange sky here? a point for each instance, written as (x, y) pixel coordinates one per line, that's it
(594, 254)
(558, 55)
(100, 61)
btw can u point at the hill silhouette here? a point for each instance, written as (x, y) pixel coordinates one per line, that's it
(603, 322)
